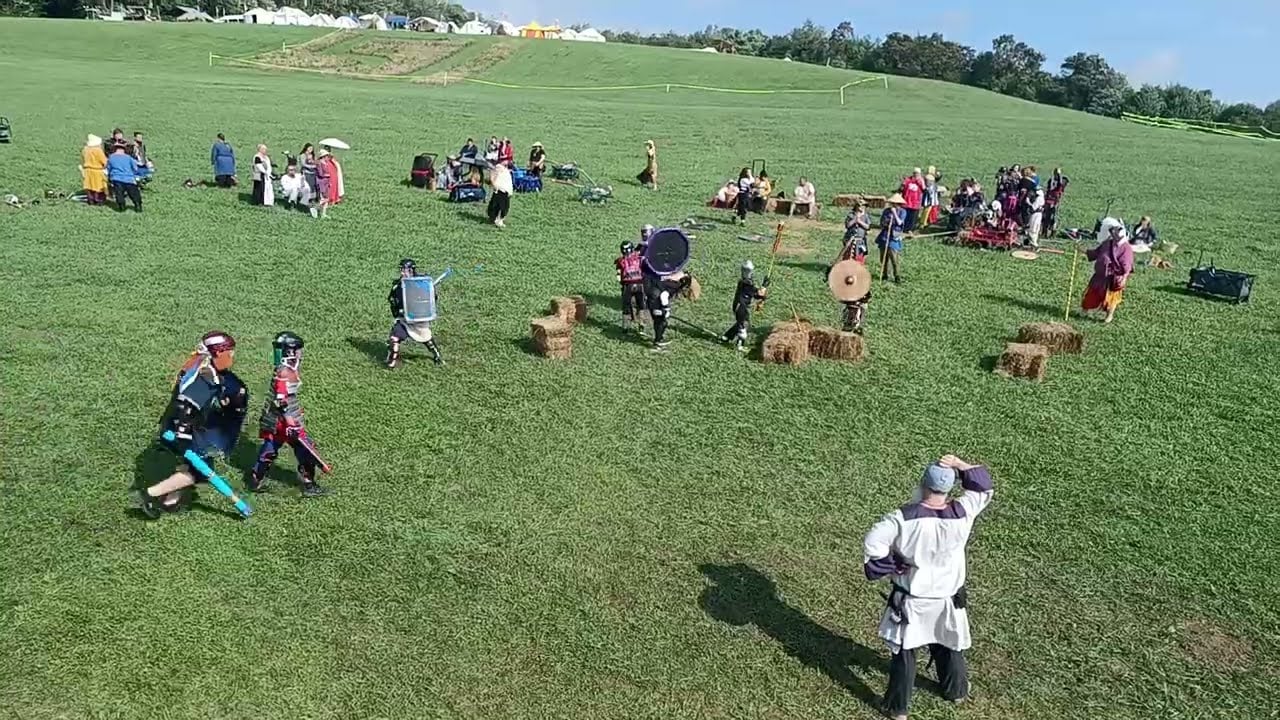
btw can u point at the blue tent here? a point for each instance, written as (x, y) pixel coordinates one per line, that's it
(396, 22)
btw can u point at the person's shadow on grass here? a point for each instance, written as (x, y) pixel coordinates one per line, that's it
(156, 463)
(742, 595)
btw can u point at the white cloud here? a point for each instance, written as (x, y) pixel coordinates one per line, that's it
(1159, 68)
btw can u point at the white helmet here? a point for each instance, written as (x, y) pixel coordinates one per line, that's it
(647, 231)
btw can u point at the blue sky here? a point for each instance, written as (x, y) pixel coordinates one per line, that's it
(1221, 46)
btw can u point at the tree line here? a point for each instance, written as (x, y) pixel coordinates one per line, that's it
(1084, 81)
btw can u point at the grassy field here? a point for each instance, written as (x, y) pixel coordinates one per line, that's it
(623, 535)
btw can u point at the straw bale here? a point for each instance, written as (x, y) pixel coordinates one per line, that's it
(832, 344)
(1057, 337)
(1024, 360)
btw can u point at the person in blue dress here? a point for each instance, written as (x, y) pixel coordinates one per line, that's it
(223, 158)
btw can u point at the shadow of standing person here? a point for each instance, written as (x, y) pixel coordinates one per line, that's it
(742, 595)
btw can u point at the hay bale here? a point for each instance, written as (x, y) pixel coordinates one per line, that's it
(579, 308)
(832, 344)
(795, 325)
(787, 343)
(846, 200)
(1024, 360)
(693, 291)
(563, 308)
(546, 328)
(1056, 336)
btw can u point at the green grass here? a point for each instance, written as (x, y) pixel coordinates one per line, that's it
(621, 535)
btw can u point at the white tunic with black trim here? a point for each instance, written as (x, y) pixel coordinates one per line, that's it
(922, 550)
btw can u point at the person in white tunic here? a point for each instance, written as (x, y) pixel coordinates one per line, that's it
(920, 547)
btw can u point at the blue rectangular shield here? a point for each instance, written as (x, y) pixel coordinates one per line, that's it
(419, 295)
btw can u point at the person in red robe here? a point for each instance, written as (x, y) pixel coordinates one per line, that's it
(1112, 266)
(912, 190)
(507, 153)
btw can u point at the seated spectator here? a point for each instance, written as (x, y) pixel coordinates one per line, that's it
(726, 197)
(537, 160)
(295, 190)
(760, 192)
(145, 167)
(805, 199)
(1144, 235)
(453, 172)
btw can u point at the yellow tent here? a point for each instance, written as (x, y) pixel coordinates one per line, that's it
(533, 30)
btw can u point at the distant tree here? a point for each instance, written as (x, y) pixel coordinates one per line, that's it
(1241, 114)
(1186, 103)
(927, 56)
(1147, 100)
(751, 42)
(1271, 117)
(809, 43)
(1090, 84)
(1011, 67)
(63, 8)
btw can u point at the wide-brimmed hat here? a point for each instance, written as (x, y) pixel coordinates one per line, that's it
(537, 144)
(896, 199)
(93, 140)
(324, 152)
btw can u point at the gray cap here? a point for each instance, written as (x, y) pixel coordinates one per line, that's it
(938, 479)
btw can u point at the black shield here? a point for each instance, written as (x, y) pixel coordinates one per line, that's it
(667, 251)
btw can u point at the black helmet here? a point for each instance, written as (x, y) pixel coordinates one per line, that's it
(286, 345)
(408, 264)
(627, 248)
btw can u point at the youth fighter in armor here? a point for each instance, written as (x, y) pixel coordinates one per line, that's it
(631, 278)
(745, 294)
(205, 412)
(281, 421)
(403, 329)
(659, 292)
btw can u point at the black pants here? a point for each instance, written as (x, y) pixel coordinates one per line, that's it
(130, 190)
(744, 202)
(1049, 222)
(888, 258)
(741, 317)
(913, 217)
(632, 300)
(499, 205)
(224, 181)
(953, 675)
(659, 326)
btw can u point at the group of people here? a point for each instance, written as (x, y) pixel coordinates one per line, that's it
(750, 193)
(1022, 204)
(123, 171)
(312, 179)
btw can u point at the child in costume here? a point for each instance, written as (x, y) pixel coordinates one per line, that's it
(659, 293)
(631, 278)
(404, 329)
(855, 314)
(745, 294)
(205, 412)
(281, 421)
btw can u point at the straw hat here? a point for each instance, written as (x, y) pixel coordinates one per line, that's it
(93, 141)
(896, 199)
(324, 152)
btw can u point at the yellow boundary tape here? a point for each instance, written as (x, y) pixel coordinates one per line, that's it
(1228, 129)
(567, 88)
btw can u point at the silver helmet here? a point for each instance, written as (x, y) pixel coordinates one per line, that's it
(646, 232)
(748, 267)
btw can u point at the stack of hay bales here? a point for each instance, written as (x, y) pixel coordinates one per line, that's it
(552, 337)
(553, 334)
(832, 344)
(787, 343)
(1056, 337)
(1024, 360)
(572, 310)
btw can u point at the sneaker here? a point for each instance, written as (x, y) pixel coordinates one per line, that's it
(254, 484)
(150, 506)
(315, 213)
(313, 490)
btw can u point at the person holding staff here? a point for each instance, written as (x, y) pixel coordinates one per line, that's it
(1112, 266)
(920, 547)
(892, 221)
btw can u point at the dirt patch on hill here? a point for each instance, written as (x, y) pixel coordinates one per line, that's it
(394, 57)
(1210, 646)
(492, 55)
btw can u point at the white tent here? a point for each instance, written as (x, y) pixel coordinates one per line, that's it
(229, 19)
(590, 35)
(258, 16)
(429, 24)
(192, 15)
(502, 27)
(323, 20)
(373, 21)
(709, 50)
(475, 27)
(568, 34)
(346, 22)
(291, 16)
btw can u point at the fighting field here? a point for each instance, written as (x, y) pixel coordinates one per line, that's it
(622, 533)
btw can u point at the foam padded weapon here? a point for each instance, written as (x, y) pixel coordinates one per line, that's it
(310, 447)
(214, 479)
(773, 256)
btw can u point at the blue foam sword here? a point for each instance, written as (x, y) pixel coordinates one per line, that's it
(214, 479)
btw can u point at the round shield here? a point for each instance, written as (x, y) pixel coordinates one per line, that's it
(667, 251)
(849, 280)
(1023, 255)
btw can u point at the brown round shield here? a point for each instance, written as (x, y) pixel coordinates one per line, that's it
(849, 280)
(1024, 254)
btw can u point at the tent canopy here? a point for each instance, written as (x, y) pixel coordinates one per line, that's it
(396, 21)
(192, 15)
(591, 35)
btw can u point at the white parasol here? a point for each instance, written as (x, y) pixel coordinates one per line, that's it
(334, 143)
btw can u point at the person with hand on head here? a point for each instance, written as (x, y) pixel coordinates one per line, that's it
(920, 547)
(223, 158)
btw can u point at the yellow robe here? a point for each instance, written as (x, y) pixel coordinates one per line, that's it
(93, 165)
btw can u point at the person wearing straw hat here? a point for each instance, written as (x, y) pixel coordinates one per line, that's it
(537, 160)
(93, 168)
(889, 241)
(649, 176)
(920, 548)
